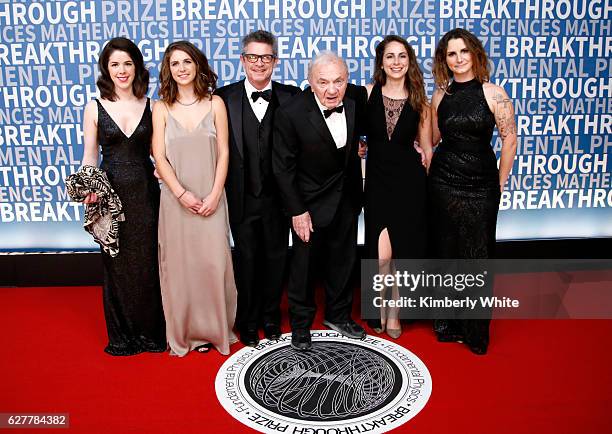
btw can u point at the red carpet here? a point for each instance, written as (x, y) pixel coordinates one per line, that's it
(539, 376)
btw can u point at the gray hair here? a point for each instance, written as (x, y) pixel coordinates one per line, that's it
(263, 37)
(325, 57)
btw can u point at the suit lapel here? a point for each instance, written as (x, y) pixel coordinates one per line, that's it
(316, 119)
(276, 100)
(349, 109)
(281, 95)
(234, 102)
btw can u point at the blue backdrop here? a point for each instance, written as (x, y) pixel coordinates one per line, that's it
(552, 57)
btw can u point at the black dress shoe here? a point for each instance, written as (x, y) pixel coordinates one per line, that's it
(300, 340)
(350, 329)
(249, 337)
(479, 349)
(272, 331)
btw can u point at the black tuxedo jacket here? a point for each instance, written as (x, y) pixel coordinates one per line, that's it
(305, 157)
(233, 97)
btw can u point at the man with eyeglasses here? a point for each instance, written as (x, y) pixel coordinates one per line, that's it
(259, 227)
(315, 161)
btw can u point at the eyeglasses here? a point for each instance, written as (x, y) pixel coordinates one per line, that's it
(253, 58)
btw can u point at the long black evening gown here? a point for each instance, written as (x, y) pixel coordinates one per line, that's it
(395, 185)
(464, 193)
(131, 293)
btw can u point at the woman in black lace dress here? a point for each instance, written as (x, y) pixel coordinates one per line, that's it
(395, 186)
(464, 183)
(120, 123)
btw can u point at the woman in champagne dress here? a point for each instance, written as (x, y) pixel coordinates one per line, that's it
(190, 145)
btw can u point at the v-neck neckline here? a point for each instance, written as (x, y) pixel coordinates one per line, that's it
(196, 126)
(117, 125)
(382, 98)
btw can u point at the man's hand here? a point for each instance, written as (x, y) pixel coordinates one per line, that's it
(363, 149)
(302, 225)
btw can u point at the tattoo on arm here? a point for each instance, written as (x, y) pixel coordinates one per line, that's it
(504, 116)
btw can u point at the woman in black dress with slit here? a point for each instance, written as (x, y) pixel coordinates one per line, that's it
(120, 124)
(395, 185)
(464, 183)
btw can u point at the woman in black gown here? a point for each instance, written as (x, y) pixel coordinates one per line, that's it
(395, 185)
(120, 123)
(464, 182)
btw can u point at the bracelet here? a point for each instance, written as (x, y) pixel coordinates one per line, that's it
(181, 195)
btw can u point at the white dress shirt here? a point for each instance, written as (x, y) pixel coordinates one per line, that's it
(336, 123)
(261, 105)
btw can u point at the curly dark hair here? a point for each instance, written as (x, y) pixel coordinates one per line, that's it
(140, 85)
(480, 62)
(415, 86)
(205, 82)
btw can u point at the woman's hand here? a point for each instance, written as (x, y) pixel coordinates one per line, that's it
(190, 201)
(425, 156)
(421, 152)
(209, 204)
(91, 198)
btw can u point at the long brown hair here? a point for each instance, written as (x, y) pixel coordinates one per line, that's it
(480, 62)
(205, 82)
(415, 86)
(140, 85)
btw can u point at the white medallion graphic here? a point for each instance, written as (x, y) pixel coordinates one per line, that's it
(341, 385)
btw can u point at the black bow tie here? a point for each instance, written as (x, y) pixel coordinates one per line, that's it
(328, 112)
(265, 94)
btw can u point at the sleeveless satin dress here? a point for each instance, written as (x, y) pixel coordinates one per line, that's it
(195, 262)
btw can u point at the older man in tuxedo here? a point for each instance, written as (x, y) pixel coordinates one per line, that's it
(259, 227)
(318, 171)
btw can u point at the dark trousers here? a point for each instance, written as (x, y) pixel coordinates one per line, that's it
(260, 246)
(334, 249)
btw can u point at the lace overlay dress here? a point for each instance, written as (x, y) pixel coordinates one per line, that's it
(395, 184)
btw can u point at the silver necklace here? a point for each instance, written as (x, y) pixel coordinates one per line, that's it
(187, 105)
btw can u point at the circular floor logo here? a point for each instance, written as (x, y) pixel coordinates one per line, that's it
(341, 385)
